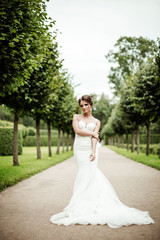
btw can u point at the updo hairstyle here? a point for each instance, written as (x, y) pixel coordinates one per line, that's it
(86, 98)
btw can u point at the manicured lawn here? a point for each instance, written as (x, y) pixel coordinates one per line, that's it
(151, 160)
(29, 165)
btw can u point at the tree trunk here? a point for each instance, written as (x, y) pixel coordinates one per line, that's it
(72, 142)
(49, 139)
(114, 141)
(38, 138)
(15, 141)
(58, 141)
(127, 141)
(63, 140)
(118, 141)
(133, 141)
(138, 141)
(67, 142)
(148, 138)
(122, 141)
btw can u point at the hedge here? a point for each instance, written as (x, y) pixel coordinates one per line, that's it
(154, 138)
(154, 148)
(4, 123)
(31, 141)
(25, 130)
(6, 141)
(31, 131)
(54, 132)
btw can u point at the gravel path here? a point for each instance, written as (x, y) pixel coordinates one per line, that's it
(25, 208)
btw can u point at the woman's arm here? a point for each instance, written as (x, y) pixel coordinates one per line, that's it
(82, 132)
(94, 142)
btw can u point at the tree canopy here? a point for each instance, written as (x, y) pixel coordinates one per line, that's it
(128, 54)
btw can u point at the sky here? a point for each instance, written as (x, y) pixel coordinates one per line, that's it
(88, 29)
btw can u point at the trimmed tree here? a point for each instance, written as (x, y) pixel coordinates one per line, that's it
(146, 95)
(22, 49)
(133, 118)
(128, 54)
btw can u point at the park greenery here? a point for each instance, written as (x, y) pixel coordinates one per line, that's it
(135, 78)
(37, 99)
(151, 160)
(33, 81)
(29, 165)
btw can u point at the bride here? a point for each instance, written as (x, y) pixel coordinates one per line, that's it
(94, 200)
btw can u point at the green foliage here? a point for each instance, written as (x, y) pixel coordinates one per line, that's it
(60, 110)
(29, 165)
(5, 114)
(32, 67)
(27, 121)
(54, 132)
(158, 56)
(108, 130)
(155, 127)
(147, 91)
(31, 131)
(6, 141)
(25, 130)
(6, 123)
(139, 103)
(31, 141)
(151, 160)
(118, 121)
(102, 108)
(154, 148)
(132, 118)
(154, 138)
(29, 59)
(22, 24)
(115, 124)
(129, 54)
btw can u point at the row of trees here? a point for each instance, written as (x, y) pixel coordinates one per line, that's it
(135, 79)
(33, 81)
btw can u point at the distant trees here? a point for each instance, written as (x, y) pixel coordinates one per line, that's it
(146, 99)
(136, 80)
(128, 54)
(60, 113)
(102, 108)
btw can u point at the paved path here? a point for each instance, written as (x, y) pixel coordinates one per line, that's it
(25, 208)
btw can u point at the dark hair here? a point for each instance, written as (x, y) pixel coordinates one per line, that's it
(86, 98)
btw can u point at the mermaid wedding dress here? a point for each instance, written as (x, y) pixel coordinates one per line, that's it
(94, 200)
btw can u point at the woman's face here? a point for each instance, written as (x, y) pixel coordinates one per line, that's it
(85, 106)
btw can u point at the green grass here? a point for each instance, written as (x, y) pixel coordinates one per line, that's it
(151, 160)
(29, 165)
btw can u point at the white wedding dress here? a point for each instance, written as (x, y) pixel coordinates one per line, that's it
(94, 200)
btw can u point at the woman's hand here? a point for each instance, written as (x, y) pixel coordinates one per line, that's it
(92, 157)
(96, 135)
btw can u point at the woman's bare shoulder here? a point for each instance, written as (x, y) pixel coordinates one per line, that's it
(76, 116)
(97, 121)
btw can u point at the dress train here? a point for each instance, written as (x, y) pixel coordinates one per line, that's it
(94, 200)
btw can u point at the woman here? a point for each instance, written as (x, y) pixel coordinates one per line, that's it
(94, 200)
